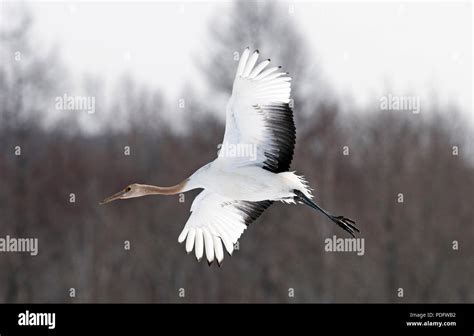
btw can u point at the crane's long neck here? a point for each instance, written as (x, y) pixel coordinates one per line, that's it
(146, 189)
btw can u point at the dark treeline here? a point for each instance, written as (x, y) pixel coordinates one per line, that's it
(391, 155)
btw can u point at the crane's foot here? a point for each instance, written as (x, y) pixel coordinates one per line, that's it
(345, 223)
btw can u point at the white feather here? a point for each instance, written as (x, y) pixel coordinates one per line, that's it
(243, 60)
(218, 249)
(229, 246)
(250, 64)
(209, 245)
(274, 76)
(199, 244)
(266, 73)
(190, 240)
(183, 235)
(259, 68)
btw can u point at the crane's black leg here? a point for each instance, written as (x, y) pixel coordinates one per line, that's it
(344, 222)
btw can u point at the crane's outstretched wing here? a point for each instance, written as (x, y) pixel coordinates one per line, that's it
(216, 221)
(259, 117)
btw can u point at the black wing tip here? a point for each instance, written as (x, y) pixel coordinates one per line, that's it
(282, 121)
(252, 210)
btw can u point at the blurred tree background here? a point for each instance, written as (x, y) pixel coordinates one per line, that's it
(408, 245)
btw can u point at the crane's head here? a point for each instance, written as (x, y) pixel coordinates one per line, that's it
(131, 191)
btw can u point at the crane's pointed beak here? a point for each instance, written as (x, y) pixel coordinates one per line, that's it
(113, 197)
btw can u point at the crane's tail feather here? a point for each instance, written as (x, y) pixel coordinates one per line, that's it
(345, 223)
(297, 182)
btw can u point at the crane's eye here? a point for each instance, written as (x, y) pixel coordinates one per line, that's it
(128, 189)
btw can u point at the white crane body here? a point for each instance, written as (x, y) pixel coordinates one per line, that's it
(247, 183)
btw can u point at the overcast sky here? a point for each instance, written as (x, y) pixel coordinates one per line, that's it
(364, 49)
